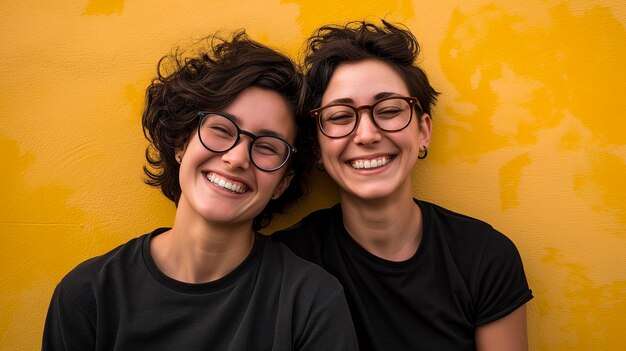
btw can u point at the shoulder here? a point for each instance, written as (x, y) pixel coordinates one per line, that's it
(313, 223)
(475, 246)
(453, 220)
(313, 232)
(463, 232)
(81, 282)
(306, 277)
(488, 261)
(314, 300)
(90, 268)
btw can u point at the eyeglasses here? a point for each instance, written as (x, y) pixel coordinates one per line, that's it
(219, 133)
(389, 114)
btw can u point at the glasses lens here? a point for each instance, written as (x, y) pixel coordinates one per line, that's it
(269, 153)
(337, 121)
(392, 114)
(217, 133)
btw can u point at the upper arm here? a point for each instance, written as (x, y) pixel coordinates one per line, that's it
(500, 286)
(507, 333)
(67, 327)
(329, 327)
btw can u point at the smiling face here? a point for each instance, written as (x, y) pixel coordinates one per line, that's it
(227, 188)
(371, 164)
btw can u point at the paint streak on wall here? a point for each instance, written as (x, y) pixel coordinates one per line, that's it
(510, 177)
(600, 306)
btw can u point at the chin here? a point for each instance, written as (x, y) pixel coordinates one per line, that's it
(369, 195)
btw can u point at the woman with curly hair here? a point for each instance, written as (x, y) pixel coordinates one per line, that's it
(228, 148)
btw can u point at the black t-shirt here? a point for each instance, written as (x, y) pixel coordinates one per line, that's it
(463, 275)
(272, 301)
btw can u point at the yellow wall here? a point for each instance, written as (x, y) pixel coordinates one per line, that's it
(528, 135)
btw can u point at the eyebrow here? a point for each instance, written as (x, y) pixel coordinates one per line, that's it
(262, 132)
(267, 132)
(379, 96)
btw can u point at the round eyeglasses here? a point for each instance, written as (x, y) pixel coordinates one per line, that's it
(389, 114)
(219, 133)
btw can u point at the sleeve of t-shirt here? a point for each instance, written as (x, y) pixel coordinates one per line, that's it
(67, 326)
(329, 326)
(501, 285)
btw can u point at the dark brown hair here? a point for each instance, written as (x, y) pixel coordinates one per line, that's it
(333, 45)
(210, 81)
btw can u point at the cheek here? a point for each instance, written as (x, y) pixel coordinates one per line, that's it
(331, 154)
(412, 134)
(326, 148)
(269, 181)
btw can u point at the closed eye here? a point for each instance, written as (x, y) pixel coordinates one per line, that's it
(389, 112)
(221, 131)
(341, 118)
(265, 148)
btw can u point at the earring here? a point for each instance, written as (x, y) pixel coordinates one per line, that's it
(423, 156)
(179, 159)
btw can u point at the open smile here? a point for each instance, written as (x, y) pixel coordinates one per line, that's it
(227, 184)
(370, 163)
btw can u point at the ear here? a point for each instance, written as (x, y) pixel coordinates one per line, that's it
(425, 129)
(283, 185)
(180, 153)
(178, 156)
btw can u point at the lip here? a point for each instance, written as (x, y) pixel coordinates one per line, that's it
(227, 183)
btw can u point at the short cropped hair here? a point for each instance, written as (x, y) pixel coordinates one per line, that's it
(332, 45)
(210, 81)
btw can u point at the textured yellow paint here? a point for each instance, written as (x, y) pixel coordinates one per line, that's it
(545, 83)
(510, 177)
(570, 142)
(104, 7)
(527, 135)
(604, 185)
(600, 306)
(41, 237)
(316, 13)
(495, 59)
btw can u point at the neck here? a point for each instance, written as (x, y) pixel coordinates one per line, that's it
(390, 228)
(195, 251)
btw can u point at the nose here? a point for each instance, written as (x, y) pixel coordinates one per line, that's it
(366, 132)
(239, 155)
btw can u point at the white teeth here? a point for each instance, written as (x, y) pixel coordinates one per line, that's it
(223, 183)
(367, 164)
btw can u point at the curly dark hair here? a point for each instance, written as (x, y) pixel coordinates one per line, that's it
(332, 45)
(210, 81)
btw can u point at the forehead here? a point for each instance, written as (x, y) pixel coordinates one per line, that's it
(263, 111)
(362, 81)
